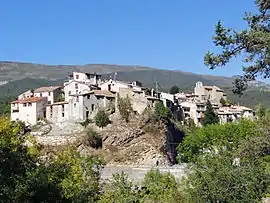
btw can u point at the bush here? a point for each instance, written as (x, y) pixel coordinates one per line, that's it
(102, 119)
(92, 139)
(125, 108)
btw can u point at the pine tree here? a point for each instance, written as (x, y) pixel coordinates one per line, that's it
(210, 117)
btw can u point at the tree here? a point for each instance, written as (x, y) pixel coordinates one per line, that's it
(102, 119)
(211, 137)
(210, 117)
(119, 189)
(253, 43)
(161, 187)
(174, 90)
(221, 178)
(223, 101)
(125, 108)
(162, 113)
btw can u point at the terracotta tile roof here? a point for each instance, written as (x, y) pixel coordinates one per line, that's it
(46, 89)
(29, 100)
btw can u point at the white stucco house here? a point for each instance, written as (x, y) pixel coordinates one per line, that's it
(53, 93)
(57, 112)
(115, 85)
(80, 83)
(29, 110)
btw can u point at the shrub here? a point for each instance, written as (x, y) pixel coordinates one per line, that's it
(125, 108)
(92, 139)
(101, 119)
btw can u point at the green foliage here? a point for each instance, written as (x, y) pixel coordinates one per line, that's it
(65, 176)
(162, 113)
(102, 119)
(85, 123)
(125, 108)
(174, 90)
(92, 139)
(223, 102)
(210, 117)
(161, 188)
(253, 43)
(215, 136)
(119, 189)
(217, 178)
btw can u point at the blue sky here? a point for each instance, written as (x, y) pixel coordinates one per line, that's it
(168, 34)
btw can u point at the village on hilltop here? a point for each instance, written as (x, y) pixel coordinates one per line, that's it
(84, 94)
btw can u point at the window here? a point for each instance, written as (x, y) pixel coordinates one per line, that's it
(77, 77)
(76, 85)
(63, 114)
(51, 108)
(40, 94)
(49, 102)
(15, 111)
(74, 105)
(24, 104)
(29, 104)
(88, 96)
(63, 108)
(49, 93)
(93, 107)
(69, 93)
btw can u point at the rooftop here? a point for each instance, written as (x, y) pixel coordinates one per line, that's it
(29, 100)
(58, 103)
(46, 89)
(100, 93)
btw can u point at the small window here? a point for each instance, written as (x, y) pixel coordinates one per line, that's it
(88, 96)
(63, 108)
(75, 105)
(77, 77)
(24, 104)
(29, 104)
(76, 85)
(69, 93)
(40, 94)
(49, 93)
(49, 102)
(63, 114)
(93, 107)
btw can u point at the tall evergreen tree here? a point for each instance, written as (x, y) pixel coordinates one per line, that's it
(174, 90)
(252, 43)
(210, 117)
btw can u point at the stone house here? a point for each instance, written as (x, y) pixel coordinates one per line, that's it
(85, 106)
(211, 93)
(80, 83)
(53, 93)
(114, 85)
(234, 113)
(29, 110)
(57, 112)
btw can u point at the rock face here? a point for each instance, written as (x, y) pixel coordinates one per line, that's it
(135, 143)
